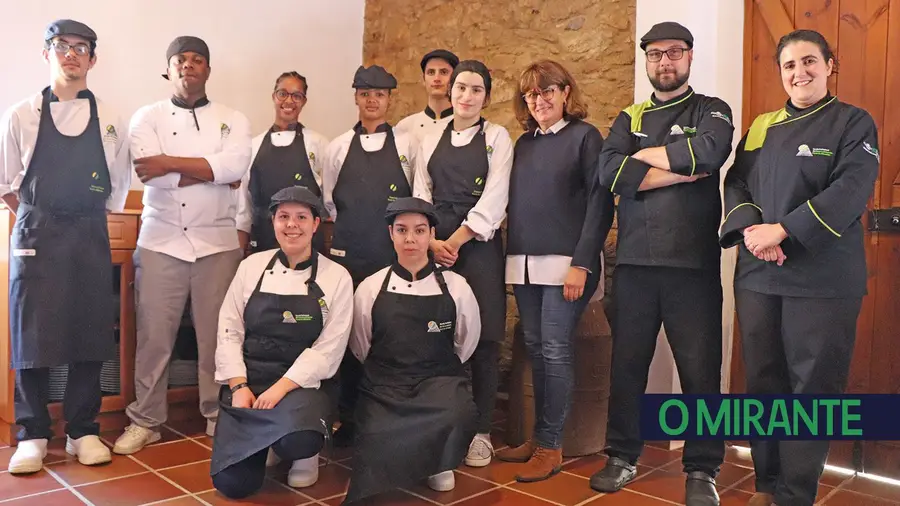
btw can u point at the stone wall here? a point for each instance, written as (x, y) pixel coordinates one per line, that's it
(594, 39)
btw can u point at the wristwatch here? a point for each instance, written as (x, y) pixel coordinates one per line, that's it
(239, 386)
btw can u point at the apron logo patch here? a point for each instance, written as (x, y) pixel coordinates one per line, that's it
(479, 181)
(288, 317)
(872, 150)
(324, 306)
(338, 252)
(298, 177)
(723, 117)
(821, 152)
(490, 151)
(404, 160)
(803, 150)
(433, 326)
(24, 252)
(111, 134)
(676, 130)
(225, 130)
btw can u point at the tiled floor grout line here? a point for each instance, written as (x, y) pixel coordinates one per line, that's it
(478, 494)
(290, 488)
(70, 488)
(529, 494)
(162, 501)
(36, 494)
(166, 479)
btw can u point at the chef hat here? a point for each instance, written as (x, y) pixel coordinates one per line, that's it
(410, 205)
(374, 77)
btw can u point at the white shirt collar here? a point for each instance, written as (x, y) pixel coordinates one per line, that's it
(559, 125)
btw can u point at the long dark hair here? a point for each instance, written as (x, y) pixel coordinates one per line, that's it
(807, 36)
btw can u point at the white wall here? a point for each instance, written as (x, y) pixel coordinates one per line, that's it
(717, 70)
(251, 43)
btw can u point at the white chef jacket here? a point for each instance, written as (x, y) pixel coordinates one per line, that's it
(423, 123)
(337, 150)
(18, 136)
(489, 212)
(314, 145)
(468, 319)
(194, 221)
(550, 270)
(316, 363)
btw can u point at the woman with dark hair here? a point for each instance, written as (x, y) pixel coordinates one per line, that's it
(287, 154)
(464, 170)
(559, 216)
(794, 198)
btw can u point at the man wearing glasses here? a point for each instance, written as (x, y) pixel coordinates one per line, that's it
(658, 158)
(190, 153)
(287, 154)
(63, 166)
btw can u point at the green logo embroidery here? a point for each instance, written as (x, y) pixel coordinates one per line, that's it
(403, 159)
(393, 187)
(479, 181)
(95, 175)
(689, 130)
(225, 130)
(872, 150)
(298, 177)
(312, 156)
(822, 152)
(490, 150)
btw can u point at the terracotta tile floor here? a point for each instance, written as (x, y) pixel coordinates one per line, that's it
(175, 472)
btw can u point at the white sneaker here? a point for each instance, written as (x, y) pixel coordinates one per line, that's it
(29, 456)
(480, 451)
(304, 472)
(211, 427)
(442, 482)
(134, 439)
(89, 450)
(272, 458)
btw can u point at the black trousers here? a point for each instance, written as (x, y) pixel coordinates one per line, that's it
(81, 403)
(797, 345)
(688, 302)
(247, 476)
(485, 364)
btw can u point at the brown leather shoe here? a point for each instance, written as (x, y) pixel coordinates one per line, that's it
(519, 454)
(761, 499)
(542, 465)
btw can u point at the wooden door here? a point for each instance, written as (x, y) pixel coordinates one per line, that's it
(865, 35)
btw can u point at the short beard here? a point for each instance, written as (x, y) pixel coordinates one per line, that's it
(673, 85)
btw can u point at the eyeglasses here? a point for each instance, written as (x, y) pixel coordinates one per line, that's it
(674, 53)
(282, 95)
(63, 48)
(547, 94)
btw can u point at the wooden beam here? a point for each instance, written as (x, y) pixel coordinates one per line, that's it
(777, 20)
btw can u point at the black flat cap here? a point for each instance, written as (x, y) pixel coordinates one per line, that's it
(184, 44)
(298, 195)
(410, 205)
(668, 30)
(374, 77)
(69, 27)
(443, 54)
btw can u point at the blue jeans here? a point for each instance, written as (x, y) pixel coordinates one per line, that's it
(548, 322)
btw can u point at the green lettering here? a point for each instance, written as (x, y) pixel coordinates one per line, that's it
(753, 418)
(684, 417)
(829, 404)
(847, 417)
(812, 424)
(778, 418)
(705, 420)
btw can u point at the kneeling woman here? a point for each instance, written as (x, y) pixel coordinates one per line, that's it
(413, 327)
(283, 329)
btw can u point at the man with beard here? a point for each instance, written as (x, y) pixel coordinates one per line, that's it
(658, 159)
(436, 66)
(190, 153)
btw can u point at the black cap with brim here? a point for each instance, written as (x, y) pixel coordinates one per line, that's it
(298, 195)
(410, 205)
(184, 44)
(374, 78)
(69, 27)
(443, 54)
(668, 30)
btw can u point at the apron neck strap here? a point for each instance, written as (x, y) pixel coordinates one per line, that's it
(312, 287)
(47, 96)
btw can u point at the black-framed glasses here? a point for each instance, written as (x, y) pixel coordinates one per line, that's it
(63, 47)
(674, 53)
(282, 95)
(547, 94)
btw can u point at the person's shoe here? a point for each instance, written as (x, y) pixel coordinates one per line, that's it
(700, 490)
(304, 472)
(134, 439)
(519, 454)
(442, 482)
(89, 450)
(272, 458)
(211, 427)
(616, 474)
(480, 451)
(542, 465)
(761, 499)
(343, 437)
(29, 456)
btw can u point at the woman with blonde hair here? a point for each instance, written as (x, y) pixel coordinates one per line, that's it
(559, 217)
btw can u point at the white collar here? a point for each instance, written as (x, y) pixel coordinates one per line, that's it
(554, 129)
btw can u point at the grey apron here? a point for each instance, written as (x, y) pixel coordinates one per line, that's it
(60, 267)
(278, 328)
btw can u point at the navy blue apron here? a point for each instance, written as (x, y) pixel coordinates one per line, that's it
(60, 273)
(415, 416)
(278, 328)
(275, 168)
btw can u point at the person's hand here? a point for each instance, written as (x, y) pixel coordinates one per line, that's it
(270, 398)
(761, 237)
(234, 185)
(188, 181)
(444, 254)
(573, 287)
(773, 254)
(244, 240)
(152, 167)
(695, 177)
(243, 398)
